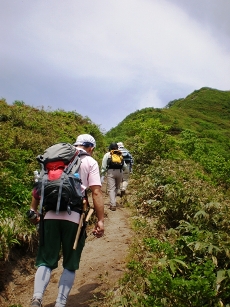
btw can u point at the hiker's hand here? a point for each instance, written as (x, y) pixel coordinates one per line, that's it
(33, 215)
(99, 229)
(36, 220)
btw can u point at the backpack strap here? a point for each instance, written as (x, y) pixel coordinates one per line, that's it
(44, 180)
(73, 166)
(76, 166)
(59, 192)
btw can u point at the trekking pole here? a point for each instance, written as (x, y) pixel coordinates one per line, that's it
(91, 211)
(83, 230)
(82, 223)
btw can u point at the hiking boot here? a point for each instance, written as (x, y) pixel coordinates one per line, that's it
(36, 302)
(112, 208)
(119, 193)
(122, 193)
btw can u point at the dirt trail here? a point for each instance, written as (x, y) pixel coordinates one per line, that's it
(102, 265)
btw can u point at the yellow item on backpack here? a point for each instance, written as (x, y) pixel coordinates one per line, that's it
(116, 160)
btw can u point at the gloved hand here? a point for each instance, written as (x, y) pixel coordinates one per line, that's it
(102, 179)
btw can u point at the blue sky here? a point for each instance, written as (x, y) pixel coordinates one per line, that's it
(108, 58)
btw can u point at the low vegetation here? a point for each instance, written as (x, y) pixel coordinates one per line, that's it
(25, 132)
(181, 252)
(180, 255)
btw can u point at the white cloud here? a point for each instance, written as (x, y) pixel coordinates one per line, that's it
(140, 51)
(150, 99)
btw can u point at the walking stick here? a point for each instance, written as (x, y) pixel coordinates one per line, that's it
(82, 223)
(91, 210)
(83, 230)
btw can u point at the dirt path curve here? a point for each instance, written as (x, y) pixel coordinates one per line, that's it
(102, 265)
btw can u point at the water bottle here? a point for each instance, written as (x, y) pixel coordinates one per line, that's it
(76, 175)
(77, 183)
(36, 176)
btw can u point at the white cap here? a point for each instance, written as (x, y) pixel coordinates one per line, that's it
(85, 140)
(120, 145)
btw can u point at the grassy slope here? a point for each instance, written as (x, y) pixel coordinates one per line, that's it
(205, 111)
(25, 132)
(178, 192)
(167, 187)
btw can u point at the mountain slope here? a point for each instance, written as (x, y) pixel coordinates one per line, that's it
(206, 112)
(206, 104)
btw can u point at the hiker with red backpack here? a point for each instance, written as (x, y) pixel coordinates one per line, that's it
(59, 225)
(113, 164)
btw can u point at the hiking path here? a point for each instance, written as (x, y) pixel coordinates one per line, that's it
(102, 264)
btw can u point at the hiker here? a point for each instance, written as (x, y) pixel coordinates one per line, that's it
(60, 230)
(114, 172)
(129, 161)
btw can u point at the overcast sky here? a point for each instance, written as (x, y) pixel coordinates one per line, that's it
(108, 58)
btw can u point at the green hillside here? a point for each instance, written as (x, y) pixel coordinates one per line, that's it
(26, 132)
(179, 193)
(181, 253)
(205, 111)
(199, 124)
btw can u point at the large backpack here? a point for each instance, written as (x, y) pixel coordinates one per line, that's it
(59, 185)
(115, 161)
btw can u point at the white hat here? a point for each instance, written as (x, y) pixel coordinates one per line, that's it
(85, 140)
(120, 145)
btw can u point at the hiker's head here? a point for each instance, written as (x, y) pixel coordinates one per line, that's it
(86, 141)
(120, 145)
(113, 146)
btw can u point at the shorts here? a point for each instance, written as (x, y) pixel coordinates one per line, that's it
(59, 235)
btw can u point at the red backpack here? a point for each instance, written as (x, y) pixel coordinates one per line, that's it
(59, 184)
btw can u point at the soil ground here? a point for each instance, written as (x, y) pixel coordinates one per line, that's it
(102, 264)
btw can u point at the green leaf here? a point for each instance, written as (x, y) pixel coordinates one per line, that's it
(220, 276)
